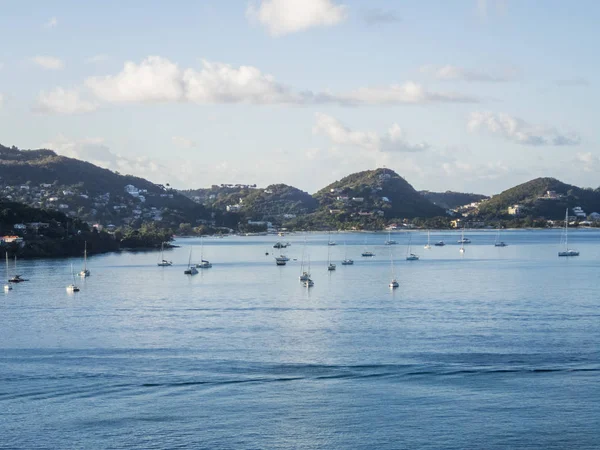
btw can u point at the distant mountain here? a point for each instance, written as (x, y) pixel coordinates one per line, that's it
(43, 179)
(380, 192)
(450, 199)
(273, 203)
(543, 197)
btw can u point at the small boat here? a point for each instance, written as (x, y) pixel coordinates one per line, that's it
(464, 241)
(304, 274)
(428, 246)
(280, 245)
(72, 287)
(347, 262)
(439, 244)
(163, 262)
(330, 265)
(390, 241)
(394, 283)
(331, 243)
(498, 242)
(281, 261)
(567, 251)
(409, 255)
(283, 258)
(367, 253)
(309, 283)
(191, 270)
(85, 272)
(16, 278)
(7, 287)
(203, 264)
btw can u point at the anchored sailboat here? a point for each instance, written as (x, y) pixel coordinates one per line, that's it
(7, 286)
(73, 287)
(462, 241)
(409, 255)
(304, 274)
(394, 283)
(85, 272)
(567, 251)
(204, 264)
(347, 261)
(163, 262)
(498, 242)
(428, 246)
(191, 270)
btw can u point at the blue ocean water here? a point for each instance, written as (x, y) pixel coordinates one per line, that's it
(497, 348)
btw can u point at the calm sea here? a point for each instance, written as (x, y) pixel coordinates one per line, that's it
(498, 348)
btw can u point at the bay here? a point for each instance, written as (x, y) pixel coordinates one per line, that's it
(496, 348)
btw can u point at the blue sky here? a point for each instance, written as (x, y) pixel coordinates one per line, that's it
(472, 95)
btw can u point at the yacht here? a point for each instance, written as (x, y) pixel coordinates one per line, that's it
(347, 262)
(394, 283)
(203, 264)
(280, 245)
(390, 241)
(409, 255)
(464, 241)
(191, 270)
(367, 253)
(17, 279)
(498, 242)
(73, 287)
(85, 272)
(567, 251)
(163, 262)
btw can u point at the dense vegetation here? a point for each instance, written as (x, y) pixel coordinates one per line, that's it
(532, 196)
(450, 199)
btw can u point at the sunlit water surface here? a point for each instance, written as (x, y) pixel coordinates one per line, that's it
(496, 348)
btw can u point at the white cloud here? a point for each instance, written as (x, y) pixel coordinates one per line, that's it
(392, 141)
(63, 101)
(289, 16)
(407, 93)
(96, 59)
(52, 23)
(449, 72)
(223, 83)
(181, 141)
(48, 62)
(588, 162)
(519, 131)
(155, 79)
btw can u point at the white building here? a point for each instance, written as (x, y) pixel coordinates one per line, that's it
(579, 212)
(515, 210)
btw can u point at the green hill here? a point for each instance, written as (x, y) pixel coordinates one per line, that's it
(382, 192)
(543, 197)
(43, 179)
(450, 199)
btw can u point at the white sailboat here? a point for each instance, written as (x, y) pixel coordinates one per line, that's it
(163, 262)
(7, 286)
(409, 255)
(428, 246)
(72, 287)
(309, 282)
(394, 283)
(347, 261)
(85, 272)
(330, 265)
(203, 264)
(498, 242)
(567, 251)
(16, 278)
(304, 274)
(390, 241)
(191, 270)
(367, 253)
(462, 241)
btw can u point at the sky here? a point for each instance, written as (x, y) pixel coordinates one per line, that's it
(469, 95)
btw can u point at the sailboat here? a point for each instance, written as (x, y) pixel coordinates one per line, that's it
(85, 272)
(394, 283)
(309, 282)
(390, 241)
(191, 270)
(347, 261)
(366, 252)
(7, 286)
(498, 242)
(16, 278)
(567, 251)
(329, 241)
(409, 255)
(330, 265)
(462, 241)
(163, 262)
(204, 264)
(72, 287)
(428, 246)
(304, 274)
